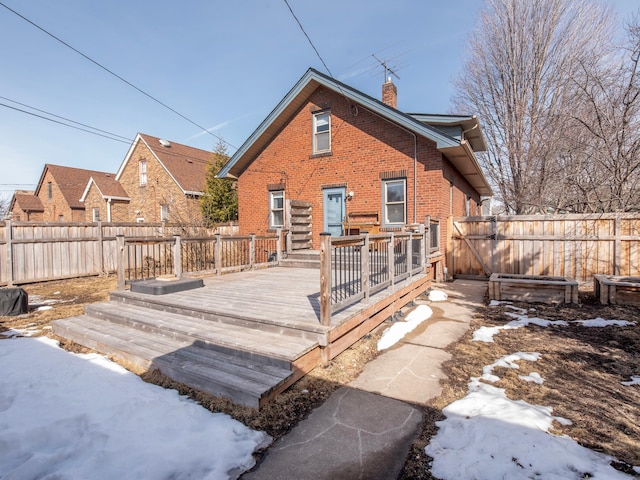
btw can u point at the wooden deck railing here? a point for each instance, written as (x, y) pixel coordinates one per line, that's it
(354, 267)
(150, 257)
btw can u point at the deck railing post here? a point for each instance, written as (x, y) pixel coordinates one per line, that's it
(325, 278)
(252, 251)
(120, 262)
(217, 254)
(410, 254)
(364, 265)
(177, 256)
(279, 245)
(391, 259)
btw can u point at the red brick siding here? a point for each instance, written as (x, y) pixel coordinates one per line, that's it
(362, 147)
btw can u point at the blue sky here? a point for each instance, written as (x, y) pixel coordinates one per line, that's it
(223, 64)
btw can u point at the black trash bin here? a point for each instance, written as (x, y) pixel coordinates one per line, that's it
(13, 301)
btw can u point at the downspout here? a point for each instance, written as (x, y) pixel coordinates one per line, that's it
(415, 163)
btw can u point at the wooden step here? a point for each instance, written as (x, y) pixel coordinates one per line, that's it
(302, 259)
(267, 323)
(193, 363)
(259, 346)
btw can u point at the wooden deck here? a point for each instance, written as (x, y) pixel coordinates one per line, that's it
(246, 335)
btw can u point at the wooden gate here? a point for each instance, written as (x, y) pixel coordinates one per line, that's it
(574, 246)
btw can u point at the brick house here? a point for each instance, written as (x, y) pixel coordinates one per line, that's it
(164, 180)
(105, 200)
(25, 207)
(60, 189)
(348, 154)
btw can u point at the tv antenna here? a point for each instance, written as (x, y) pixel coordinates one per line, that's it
(387, 69)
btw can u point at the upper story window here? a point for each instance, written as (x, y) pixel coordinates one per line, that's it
(395, 201)
(276, 209)
(142, 169)
(322, 132)
(49, 190)
(96, 214)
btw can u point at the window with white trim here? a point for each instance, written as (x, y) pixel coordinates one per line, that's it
(322, 132)
(164, 213)
(142, 170)
(95, 213)
(394, 199)
(276, 209)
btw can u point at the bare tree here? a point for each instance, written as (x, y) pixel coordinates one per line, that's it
(515, 78)
(609, 120)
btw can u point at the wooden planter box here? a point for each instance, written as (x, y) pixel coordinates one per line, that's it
(532, 288)
(618, 290)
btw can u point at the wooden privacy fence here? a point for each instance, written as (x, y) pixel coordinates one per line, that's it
(574, 246)
(37, 251)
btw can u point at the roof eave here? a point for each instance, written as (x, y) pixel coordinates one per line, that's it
(311, 80)
(463, 158)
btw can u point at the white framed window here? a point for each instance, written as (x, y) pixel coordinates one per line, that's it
(95, 214)
(394, 197)
(276, 209)
(164, 213)
(142, 170)
(321, 132)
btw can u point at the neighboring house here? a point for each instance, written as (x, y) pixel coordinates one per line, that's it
(60, 190)
(105, 200)
(25, 207)
(164, 180)
(348, 154)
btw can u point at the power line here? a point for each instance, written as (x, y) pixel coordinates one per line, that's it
(64, 118)
(62, 123)
(305, 34)
(116, 75)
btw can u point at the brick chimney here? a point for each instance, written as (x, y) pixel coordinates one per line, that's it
(390, 93)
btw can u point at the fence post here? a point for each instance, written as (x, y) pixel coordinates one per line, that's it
(252, 251)
(217, 254)
(120, 262)
(325, 278)
(177, 256)
(364, 265)
(101, 247)
(617, 245)
(9, 234)
(279, 245)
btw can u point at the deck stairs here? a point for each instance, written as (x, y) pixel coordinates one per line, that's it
(215, 353)
(302, 259)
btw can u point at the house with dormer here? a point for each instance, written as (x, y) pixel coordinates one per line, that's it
(163, 180)
(355, 160)
(60, 190)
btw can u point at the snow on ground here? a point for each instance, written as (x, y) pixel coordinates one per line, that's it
(64, 415)
(437, 296)
(395, 332)
(486, 435)
(485, 334)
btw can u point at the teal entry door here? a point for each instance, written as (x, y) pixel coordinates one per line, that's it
(333, 209)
